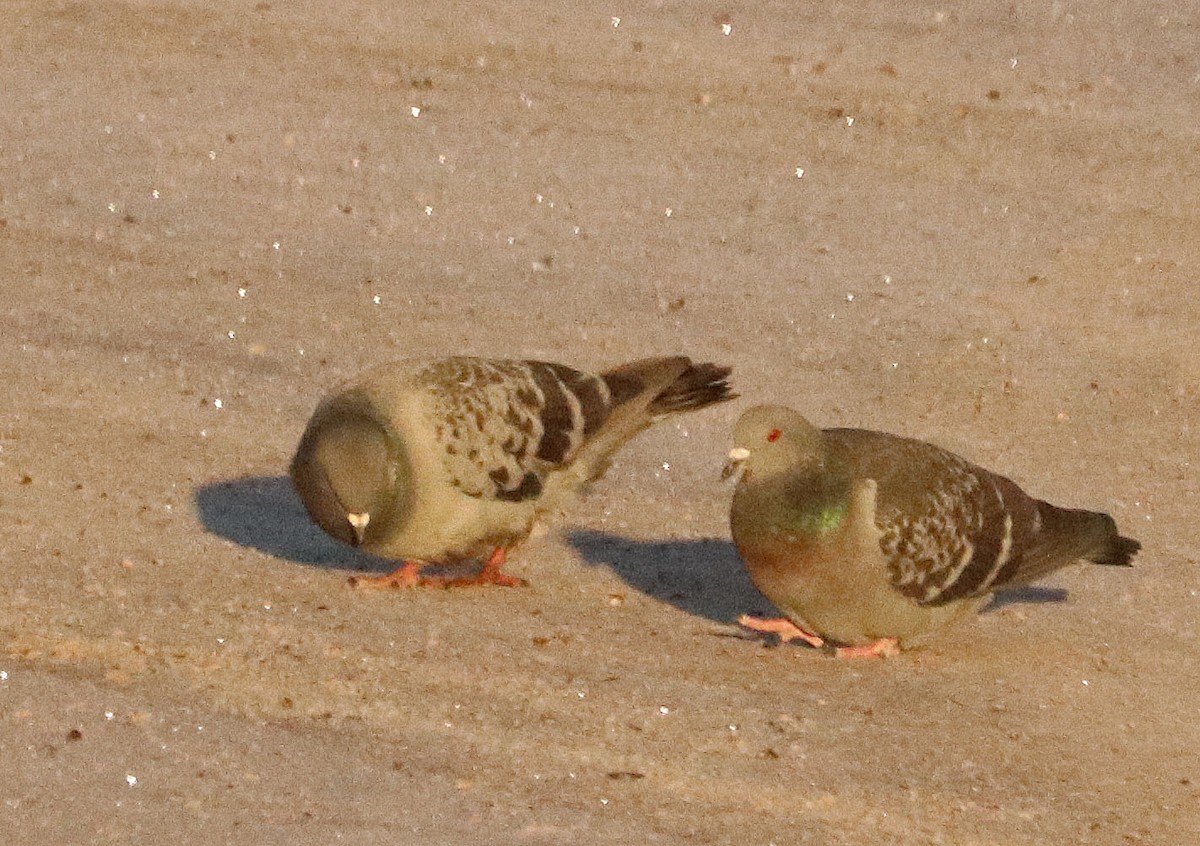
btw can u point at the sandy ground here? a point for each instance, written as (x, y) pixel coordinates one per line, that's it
(974, 223)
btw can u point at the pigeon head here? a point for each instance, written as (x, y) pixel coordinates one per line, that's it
(350, 471)
(773, 439)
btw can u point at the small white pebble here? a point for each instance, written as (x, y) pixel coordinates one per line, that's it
(212, 155)
(112, 207)
(1085, 682)
(603, 801)
(664, 710)
(131, 780)
(266, 606)
(242, 292)
(3, 675)
(726, 29)
(849, 121)
(376, 299)
(428, 210)
(155, 194)
(616, 22)
(231, 334)
(732, 727)
(668, 212)
(217, 403)
(581, 695)
(849, 298)
(108, 715)
(799, 173)
(416, 111)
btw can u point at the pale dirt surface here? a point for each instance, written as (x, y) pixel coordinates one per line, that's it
(995, 245)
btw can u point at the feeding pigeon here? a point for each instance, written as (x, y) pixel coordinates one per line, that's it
(453, 459)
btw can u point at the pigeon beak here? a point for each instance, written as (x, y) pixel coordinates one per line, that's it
(358, 521)
(737, 457)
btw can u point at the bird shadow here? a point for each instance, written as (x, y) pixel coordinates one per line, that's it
(264, 513)
(703, 577)
(1025, 595)
(706, 577)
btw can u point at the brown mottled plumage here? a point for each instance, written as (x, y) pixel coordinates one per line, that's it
(874, 541)
(453, 459)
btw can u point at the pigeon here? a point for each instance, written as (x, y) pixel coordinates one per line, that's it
(873, 541)
(454, 459)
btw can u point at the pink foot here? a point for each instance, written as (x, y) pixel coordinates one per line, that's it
(408, 575)
(885, 647)
(490, 574)
(786, 629)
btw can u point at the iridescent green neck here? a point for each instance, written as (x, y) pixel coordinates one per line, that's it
(816, 518)
(802, 505)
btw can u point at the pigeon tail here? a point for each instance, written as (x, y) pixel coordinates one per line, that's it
(699, 386)
(1095, 532)
(1118, 553)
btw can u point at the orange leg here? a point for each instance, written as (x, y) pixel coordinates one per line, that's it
(407, 575)
(885, 647)
(490, 574)
(786, 629)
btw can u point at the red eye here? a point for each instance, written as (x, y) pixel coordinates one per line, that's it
(774, 435)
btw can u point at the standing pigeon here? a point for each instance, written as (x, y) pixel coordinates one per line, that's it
(873, 541)
(453, 459)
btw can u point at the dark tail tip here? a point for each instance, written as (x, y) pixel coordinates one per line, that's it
(698, 386)
(1119, 552)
